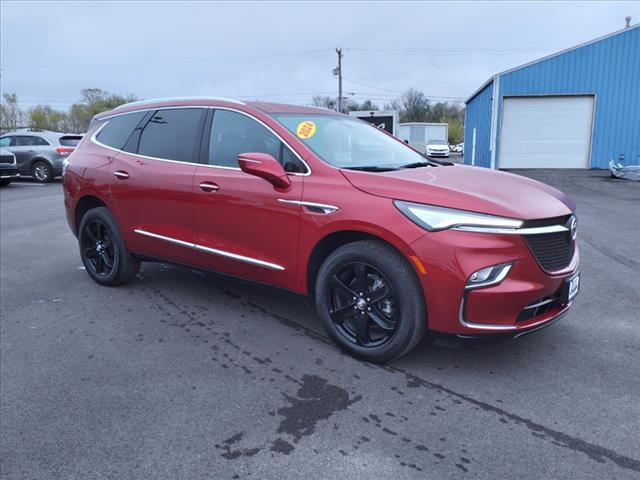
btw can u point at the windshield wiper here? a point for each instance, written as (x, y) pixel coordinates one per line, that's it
(372, 168)
(418, 165)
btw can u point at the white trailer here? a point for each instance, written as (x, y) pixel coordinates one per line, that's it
(421, 134)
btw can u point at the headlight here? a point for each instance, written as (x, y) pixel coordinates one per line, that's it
(439, 218)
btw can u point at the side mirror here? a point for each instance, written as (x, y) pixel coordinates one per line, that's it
(264, 166)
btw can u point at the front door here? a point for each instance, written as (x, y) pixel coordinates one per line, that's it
(243, 227)
(26, 147)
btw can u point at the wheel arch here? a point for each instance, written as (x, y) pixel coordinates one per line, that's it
(33, 161)
(83, 205)
(334, 240)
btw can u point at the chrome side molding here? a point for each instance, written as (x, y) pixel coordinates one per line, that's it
(175, 241)
(240, 258)
(312, 206)
(213, 251)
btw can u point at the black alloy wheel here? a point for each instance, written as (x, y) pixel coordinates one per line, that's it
(363, 304)
(370, 301)
(103, 251)
(98, 248)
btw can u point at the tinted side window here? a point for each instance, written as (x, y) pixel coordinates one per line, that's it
(5, 141)
(173, 134)
(40, 141)
(233, 133)
(27, 141)
(116, 132)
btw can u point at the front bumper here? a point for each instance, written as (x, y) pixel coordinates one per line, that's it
(437, 153)
(8, 171)
(526, 300)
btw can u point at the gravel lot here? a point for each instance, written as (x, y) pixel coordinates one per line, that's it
(190, 375)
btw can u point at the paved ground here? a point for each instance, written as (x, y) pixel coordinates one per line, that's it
(187, 375)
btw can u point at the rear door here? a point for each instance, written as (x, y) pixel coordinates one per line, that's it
(243, 227)
(152, 184)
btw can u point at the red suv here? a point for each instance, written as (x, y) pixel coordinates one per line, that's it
(387, 242)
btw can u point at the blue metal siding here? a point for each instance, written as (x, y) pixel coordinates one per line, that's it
(608, 69)
(478, 115)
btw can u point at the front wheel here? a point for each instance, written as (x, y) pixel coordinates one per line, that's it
(5, 182)
(103, 251)
(370, 301)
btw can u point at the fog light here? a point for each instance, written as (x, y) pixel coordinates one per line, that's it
(489, 276)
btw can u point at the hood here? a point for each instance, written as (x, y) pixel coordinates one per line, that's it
(469, 188)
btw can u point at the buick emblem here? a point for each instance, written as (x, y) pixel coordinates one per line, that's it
(573, 227)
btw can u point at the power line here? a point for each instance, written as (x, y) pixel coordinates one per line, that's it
(394, 91)
(446, 51)
(390, 97)
(182, 62)
(371, 86)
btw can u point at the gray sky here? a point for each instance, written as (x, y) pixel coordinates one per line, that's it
(282, 51)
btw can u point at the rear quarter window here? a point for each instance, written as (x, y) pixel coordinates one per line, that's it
(70, 140)
(118, 129)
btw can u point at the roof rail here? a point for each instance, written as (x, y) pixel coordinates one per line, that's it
(172, 99)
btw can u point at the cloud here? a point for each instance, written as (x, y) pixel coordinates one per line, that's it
(282, 50)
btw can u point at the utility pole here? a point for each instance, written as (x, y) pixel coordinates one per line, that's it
(339, 52)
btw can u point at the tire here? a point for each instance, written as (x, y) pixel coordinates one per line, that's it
(5, 182)
(103, 251)
(41, 171)
(389, 318)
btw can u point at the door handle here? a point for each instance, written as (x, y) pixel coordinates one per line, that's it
(122, 175)
(209, 187)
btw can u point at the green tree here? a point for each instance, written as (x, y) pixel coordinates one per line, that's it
(44, 117)
(93, 101)
(456, 131)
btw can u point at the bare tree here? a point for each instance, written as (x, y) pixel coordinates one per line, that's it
(11, 117)
(324, 102)
(414, 106)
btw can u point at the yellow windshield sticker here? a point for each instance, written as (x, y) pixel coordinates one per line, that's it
(306, 129)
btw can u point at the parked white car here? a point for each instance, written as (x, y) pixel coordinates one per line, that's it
(438, 149)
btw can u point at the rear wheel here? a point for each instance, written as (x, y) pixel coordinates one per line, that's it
(370, 301)
(42, 172)
(103, 251)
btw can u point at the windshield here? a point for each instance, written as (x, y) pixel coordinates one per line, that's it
(346, 142)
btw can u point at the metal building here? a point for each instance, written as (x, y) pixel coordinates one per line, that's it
(578, 108)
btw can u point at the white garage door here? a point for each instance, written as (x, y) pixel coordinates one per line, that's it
(546, 132)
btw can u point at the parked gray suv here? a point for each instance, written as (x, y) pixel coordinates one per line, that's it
(39, 153)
